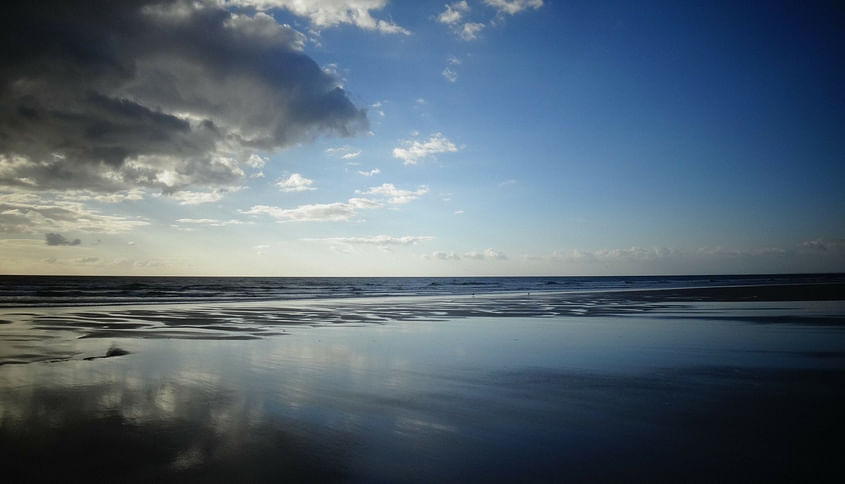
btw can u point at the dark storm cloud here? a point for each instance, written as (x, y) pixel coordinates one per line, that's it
(112, 94)
(59, 239)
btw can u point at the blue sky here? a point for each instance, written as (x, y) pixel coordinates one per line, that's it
(368, 137)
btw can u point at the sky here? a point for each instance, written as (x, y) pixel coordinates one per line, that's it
(417, 138)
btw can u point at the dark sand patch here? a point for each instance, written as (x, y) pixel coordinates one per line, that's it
(111, 353)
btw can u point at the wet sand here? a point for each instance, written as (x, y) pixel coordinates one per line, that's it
(733, 384)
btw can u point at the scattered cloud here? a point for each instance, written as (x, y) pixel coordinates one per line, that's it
(29, 213)
(450, 74)
(210, 222)
(455, 16)
(377, 240)
(114, 197)
(331, 13)
(187, 197)
(59, 239)
(318, 212)
(823, 245)
(806, 256)
(490, 254)
(374, 171)
(255, 161)
(365, 203)
(338, 149)
(377, 108)
(470, 30)
(295, 183)
(453, 13)
(513, 7)
(177, 95)
(344, 152)
(414, 151)
(396, 195)
(441, 255)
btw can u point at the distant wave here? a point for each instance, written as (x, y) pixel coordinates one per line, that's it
(28, 291)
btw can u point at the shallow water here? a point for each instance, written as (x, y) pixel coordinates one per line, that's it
(450, 389)
(692, 391)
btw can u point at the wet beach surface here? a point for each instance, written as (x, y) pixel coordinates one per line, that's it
(728, 384)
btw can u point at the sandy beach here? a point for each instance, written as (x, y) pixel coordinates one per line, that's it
(728, 384)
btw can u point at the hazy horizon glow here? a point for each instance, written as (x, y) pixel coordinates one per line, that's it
(388, 138)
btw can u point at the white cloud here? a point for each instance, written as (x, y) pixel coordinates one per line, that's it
(453, 12)
(210, 222)
(459, 212)
(450, 74)
(441, 255)
(374, 171)
(115, 197)
(255, 161)
(377, 107)
(378, 240)
(318, 212)
(339, 149)
(344, 152)
(396, 195)
(822, 245)
(330, 13)
(196, 198)
(453, 61)
(365, 203)
(512, 7)
(485, 254)
(414, 151)
(28, 213)
(296, 183)
(470, 30)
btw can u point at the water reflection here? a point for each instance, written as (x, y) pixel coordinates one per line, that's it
(494, 399)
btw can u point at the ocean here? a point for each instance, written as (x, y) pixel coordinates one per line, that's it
(85, 290)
